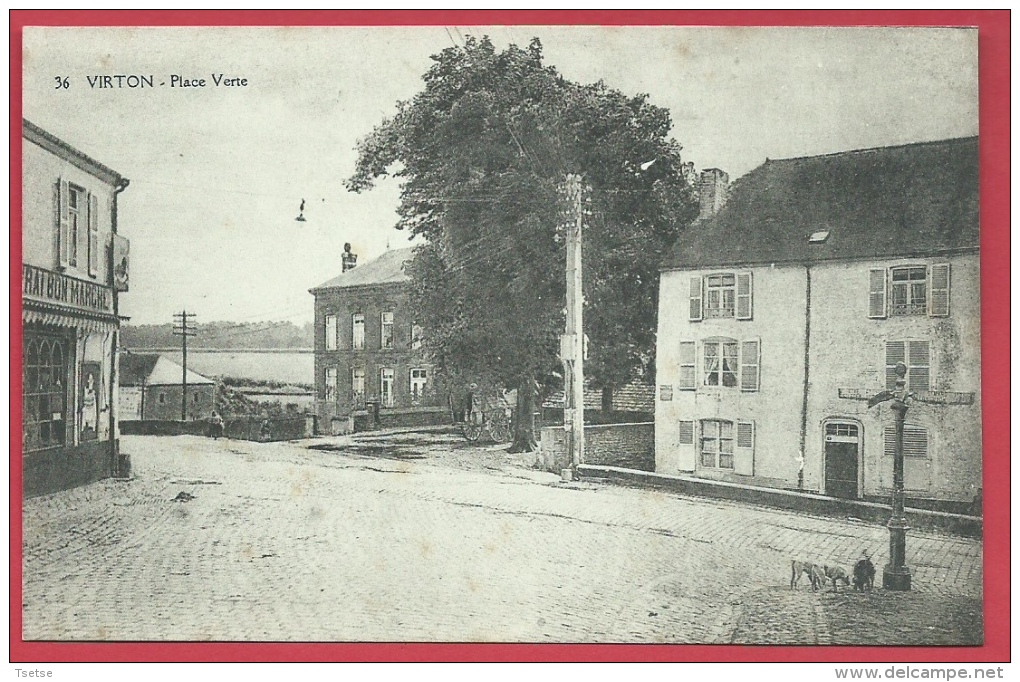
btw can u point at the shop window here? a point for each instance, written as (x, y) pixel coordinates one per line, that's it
(44, 392)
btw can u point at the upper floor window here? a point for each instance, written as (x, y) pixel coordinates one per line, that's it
(331, 332)
(721, 363)
(416, 335)
(78, 233)
(725, 362)
(357, 331)
(386, 330)
(909, 290)
(721, 295)
(916, 355)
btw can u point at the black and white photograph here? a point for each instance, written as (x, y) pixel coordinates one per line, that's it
(564, 334)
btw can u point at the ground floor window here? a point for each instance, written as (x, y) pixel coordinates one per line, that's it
(330, 391)
(419, 380)
(717, 444)
(44, 396)
(386, 387)
(358, 384)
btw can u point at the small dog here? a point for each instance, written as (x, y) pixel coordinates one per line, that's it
(836, 575)
(864, 574)
(814, 573)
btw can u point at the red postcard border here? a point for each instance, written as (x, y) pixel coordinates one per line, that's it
(994, 34)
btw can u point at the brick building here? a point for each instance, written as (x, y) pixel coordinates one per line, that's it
(74, 266)
(365, 348)
(806, 281)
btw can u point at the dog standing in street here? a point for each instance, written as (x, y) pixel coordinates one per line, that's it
(814, 573)
(864, 574)
(836, 575)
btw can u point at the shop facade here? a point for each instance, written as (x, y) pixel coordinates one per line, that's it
(74, 265)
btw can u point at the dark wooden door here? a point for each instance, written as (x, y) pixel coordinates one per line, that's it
(841, 469)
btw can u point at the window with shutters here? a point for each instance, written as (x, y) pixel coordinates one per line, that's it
(915, 441)
(73, 222)
(716, 445)
(721, 362)
(909, 290)
(916, 355)
(721, 295)
(331, 332)
(726, 363)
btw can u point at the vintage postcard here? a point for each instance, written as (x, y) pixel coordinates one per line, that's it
(484, 332)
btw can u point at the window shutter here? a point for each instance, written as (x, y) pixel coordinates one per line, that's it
(938, 298)
(915, 441)
(93, 234)
(685, 446)
(918, 366)
(743, 453)
(688, 372)
(877, 294)
(750, 365)
(744, 296)
(696, 297)
(63, 228)
(895, 351)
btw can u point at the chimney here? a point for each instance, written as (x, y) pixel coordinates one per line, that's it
(348, 259)
(712, 189)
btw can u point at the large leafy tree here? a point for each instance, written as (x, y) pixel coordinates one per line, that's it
(482, 151)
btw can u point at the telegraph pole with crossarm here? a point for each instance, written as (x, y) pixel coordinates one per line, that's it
(896, 575)
(181, 329)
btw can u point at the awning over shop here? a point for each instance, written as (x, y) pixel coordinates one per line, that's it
(34, 312)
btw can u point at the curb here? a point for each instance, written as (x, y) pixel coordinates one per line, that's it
(812, 503)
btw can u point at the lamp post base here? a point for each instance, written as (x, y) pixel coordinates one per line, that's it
(896, 579)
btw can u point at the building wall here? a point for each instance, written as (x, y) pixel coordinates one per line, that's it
(845, 349)
(778, 315)
(631, 446)
(371, 301)
(81, 405)
(42, 173)
(169, 408)
(848, 351)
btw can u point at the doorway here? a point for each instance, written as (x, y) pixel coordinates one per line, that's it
(842, 460)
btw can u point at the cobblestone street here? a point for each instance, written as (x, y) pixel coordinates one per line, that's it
(431, 540)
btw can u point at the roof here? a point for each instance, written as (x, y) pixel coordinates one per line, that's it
(916, 199)
(153, 369)
(386, 269)
(55, 145)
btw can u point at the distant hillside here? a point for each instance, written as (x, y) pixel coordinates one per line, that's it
(232, 335)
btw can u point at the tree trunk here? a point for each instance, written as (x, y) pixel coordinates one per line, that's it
(607, 400)
(524, 418)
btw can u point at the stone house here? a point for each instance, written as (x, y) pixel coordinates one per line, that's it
(151, 386)
(801, 287)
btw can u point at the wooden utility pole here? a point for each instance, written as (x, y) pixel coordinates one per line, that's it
(572, 342)
(182, 330)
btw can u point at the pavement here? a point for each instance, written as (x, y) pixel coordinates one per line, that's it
(425, 538)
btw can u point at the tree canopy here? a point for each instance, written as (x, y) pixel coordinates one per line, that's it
(481, 152)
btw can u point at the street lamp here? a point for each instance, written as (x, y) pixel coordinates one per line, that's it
(896, 575)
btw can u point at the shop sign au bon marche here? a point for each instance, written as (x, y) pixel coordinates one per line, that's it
(54, 287)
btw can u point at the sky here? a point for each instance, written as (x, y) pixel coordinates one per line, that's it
(218, 173)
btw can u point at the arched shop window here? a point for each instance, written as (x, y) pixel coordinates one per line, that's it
(45, 392)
